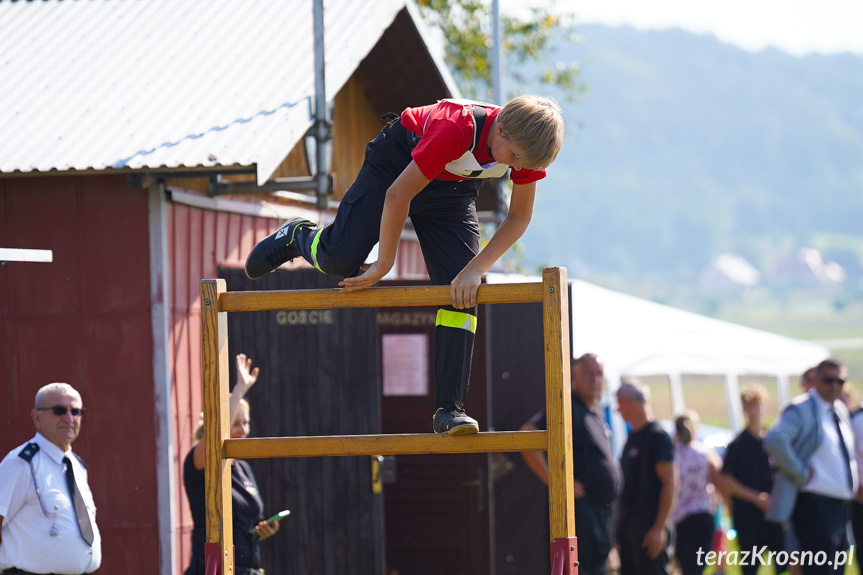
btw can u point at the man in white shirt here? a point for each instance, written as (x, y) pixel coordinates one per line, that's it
(812, 444)
(47, 514)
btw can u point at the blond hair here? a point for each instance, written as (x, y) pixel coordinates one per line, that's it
(754, 393)
(199, 431)
(535, 125)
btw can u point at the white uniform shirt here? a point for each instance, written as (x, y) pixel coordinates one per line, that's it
(857, 426)
(829, 477)
(27, 541)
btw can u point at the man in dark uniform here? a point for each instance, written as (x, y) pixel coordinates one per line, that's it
(595, 472)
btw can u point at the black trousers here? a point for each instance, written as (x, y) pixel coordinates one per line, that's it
(633, 558)
(857, 526)
(593, 532)
(693, 534)
(757, 535)
(444, 218)
(197, 567)
(820, 524)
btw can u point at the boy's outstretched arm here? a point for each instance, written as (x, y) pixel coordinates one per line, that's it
(463, 288)
(396, 207)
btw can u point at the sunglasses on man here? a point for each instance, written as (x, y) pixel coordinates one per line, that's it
(830, 380)
(60, 410)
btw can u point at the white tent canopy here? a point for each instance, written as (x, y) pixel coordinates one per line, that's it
(636, 337)
(644, 338)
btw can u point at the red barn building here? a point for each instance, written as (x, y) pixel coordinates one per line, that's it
(117, 120)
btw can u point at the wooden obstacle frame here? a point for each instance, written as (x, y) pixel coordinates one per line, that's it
(219, 448)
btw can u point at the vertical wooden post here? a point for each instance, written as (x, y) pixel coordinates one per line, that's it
(217, 428)
(561, 510)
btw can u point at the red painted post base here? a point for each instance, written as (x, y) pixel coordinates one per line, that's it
(212, 559)
(564, 556)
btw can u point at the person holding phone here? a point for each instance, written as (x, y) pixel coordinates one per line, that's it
(250, 527)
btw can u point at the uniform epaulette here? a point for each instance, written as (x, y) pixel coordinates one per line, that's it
(28, 452)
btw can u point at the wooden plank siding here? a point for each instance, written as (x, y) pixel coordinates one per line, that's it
(521, 522)
(355, 122)
(85, 319)
(200, 242)
(198, 248)
(319, 376)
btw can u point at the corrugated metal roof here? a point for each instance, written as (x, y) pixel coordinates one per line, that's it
(111, 84)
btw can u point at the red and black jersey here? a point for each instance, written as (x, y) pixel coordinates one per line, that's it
(446, 131)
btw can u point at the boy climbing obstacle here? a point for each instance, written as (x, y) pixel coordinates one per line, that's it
(429, 164)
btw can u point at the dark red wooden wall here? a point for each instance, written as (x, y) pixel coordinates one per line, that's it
(199, 241)
(85, 319)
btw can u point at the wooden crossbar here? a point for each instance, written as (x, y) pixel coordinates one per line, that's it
(219, 448)
(373, 297)
(387, 444)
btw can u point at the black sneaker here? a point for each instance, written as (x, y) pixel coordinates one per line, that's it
(275, 249)
(453, 422)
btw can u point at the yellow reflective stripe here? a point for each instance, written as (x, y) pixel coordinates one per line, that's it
(456, 319)
(315, 249)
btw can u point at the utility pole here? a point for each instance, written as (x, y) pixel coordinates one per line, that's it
(497, 98)
(497, 91)
(322, 128)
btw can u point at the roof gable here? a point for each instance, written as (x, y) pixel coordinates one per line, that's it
(150, 84)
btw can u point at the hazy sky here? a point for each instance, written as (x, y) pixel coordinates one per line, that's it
(796, 26)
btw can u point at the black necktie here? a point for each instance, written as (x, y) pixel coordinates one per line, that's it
(844, 449)
(78, 502)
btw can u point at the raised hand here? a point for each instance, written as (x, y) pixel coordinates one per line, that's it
(245, 376)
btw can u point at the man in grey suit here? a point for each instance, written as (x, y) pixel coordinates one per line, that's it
(812, 445)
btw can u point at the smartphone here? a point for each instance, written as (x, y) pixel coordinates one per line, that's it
(275, 517)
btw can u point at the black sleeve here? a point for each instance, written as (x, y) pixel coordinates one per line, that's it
(664, 448)
(192, 478)
(193, 481)
(732, 459)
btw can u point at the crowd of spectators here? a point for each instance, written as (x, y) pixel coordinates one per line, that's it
(792, 490)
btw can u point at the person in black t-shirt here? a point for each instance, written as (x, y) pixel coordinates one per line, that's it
(649, 486)
(248, 508)
(747, 478)
(596, 478)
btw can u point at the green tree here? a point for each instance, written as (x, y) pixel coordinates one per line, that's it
(527, 41)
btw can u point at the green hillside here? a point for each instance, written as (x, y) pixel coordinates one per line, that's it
(684, 147)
